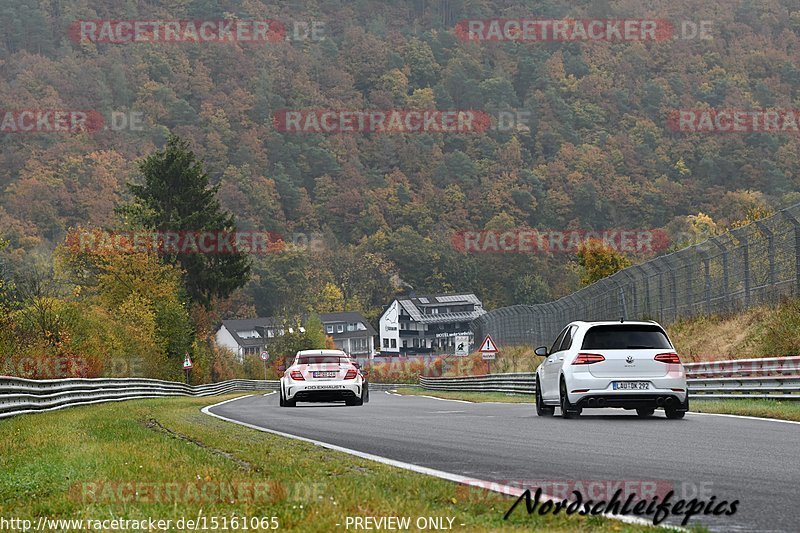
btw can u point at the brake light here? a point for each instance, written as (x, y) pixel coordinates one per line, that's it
(588, 359)
(351, 374)
(296, 375)
(671, 358)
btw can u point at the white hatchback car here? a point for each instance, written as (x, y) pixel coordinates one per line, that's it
(632, 365)
(323, 376)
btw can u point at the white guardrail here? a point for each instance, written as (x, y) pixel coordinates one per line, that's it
(774, 378)
(20, 396)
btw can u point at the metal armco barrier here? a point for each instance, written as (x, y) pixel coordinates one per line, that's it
(19, 396)
(773, 378)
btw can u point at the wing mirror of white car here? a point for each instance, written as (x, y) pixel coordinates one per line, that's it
(541, 351)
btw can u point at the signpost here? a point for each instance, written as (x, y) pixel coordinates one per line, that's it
(462, 346)
(264, 357)
(488, 351)
(187, 366)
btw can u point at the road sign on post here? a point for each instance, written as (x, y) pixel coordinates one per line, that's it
(264, 356)
(187, 366)
(488, 351)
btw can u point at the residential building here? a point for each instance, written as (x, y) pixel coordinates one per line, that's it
(415, 325)
(350, 331)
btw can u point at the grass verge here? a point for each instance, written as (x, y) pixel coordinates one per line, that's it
(164, 459)
(781, 410)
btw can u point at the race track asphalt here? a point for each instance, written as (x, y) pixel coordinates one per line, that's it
(754, 461)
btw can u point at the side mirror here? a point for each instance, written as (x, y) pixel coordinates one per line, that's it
(541, 351)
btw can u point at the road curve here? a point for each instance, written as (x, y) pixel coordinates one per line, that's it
(752, 460)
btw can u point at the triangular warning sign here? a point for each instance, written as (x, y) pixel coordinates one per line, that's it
(488, 345)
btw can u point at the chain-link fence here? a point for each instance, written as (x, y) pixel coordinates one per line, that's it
(752, 265)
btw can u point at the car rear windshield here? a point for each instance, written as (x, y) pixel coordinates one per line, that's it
(621, 337)
(320, 359)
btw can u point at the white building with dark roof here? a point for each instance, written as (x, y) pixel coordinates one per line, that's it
(350, 331)
(416, 325)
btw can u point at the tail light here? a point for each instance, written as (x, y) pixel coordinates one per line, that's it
(588, 359)
(351, 374)
(296, 375)
(671, 358)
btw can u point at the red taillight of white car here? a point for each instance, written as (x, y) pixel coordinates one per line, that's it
(671, 358)
(588, 359)
(296, 375)
(351, 374)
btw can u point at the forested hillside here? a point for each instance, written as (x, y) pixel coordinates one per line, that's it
(595, 152)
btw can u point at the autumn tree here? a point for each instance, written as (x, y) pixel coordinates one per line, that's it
(599, 260)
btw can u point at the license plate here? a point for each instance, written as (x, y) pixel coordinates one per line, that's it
(631, 385)
(324, 374)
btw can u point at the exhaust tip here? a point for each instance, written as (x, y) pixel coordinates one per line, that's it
(660, 402)
(592, 402)
(669, 401)
(601, 402)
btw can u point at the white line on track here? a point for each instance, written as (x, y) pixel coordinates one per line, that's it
(423, 396)
(607, 409)
(271, 393)
(745, 417)
(456, 478)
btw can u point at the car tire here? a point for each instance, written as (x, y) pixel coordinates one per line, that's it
(288, 403)
(567, 409)
(645, 412)
(281, 401)
(677, 414)
(541, 408)
(366, 392)
(358, 401)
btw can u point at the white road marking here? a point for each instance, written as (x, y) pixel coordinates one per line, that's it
(456, 478)
(271, 393)
(745, 417)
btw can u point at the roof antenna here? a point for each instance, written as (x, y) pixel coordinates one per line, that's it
(621, 319)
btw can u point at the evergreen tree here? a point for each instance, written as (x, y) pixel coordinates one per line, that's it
(176, 196)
